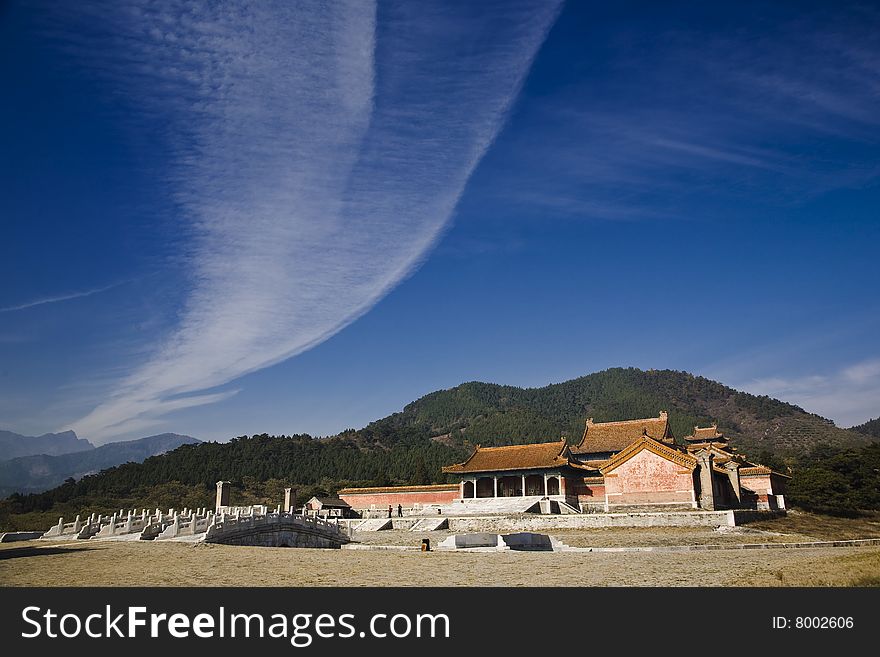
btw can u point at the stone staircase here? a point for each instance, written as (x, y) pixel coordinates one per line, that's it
(430, 525)
(485, 506)
(566, 509)
(374, 525)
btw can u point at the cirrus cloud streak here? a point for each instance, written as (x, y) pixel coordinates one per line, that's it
(318, 152)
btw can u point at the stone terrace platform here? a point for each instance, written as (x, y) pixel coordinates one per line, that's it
(534, 522)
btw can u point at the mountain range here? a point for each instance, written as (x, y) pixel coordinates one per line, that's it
(13, 445)
(490, 414)
(38, 471)
(441, 427)
(409, 447)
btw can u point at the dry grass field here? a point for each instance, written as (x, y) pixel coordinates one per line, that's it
(141, 563)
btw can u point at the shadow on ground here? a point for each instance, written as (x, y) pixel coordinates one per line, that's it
(37, 551)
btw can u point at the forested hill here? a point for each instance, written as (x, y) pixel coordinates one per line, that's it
(488, 414)
(439, 429)
(869, 428)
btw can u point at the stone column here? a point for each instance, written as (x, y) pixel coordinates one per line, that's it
(222, 498)
(289, 499)
(495, 480)
(545, 485)
(707, 480)
(523, 485)
(732, 468)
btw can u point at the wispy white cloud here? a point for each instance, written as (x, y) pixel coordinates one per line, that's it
(849, 396)
(863, 372)
(60, 297)
(683, 114)
(319, 151)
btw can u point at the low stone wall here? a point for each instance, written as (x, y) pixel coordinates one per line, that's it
(651, 508)
(500, 524)
(282, 538)
(744, 516)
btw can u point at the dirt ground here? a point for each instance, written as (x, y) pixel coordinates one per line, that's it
(143, 563)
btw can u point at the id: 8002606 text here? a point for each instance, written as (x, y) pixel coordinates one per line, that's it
(813, 623)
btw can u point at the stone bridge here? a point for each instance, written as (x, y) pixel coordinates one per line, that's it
(276, 529)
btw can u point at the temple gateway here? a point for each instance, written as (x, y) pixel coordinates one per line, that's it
(632, 465)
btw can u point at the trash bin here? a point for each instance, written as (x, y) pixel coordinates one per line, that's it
(426, 545)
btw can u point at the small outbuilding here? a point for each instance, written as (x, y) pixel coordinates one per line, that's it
(329, 507)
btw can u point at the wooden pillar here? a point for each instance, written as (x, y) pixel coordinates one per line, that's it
(524, 485)
(495, 481)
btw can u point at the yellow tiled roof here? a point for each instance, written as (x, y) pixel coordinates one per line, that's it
(616, 436)
(705, 434)
(514, 457)
(399, 489)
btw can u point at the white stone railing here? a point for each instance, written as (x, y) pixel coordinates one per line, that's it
(128, 524)
(64, 529)
(187, 525)
(124, 522)
(228, 524)
(190, 522)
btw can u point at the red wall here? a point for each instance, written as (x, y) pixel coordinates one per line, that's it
(756, 483)
(381, 499)
(589, 493)
(649, 479)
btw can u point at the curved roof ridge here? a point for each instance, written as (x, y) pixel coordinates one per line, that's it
(546, 442)
(638, 419)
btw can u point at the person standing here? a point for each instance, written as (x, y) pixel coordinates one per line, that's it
(389, 510)
(399, 511)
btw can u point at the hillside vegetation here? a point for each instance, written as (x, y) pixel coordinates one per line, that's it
(487, 414)
(869, 428)
(441, 428)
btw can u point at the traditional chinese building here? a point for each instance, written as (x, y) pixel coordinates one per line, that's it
(379, 498)
(637, 463)
(616, 466)
(536, 470)
(328, 507)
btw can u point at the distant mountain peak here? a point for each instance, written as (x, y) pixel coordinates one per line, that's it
(38, 472)
(14, 445)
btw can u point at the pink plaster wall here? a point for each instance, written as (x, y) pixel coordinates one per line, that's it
(756, 483)
(647, 478)
(382, 500)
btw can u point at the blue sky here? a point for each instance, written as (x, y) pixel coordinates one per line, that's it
(296, 217)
